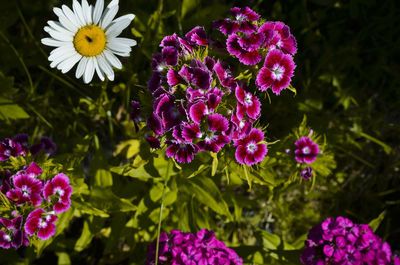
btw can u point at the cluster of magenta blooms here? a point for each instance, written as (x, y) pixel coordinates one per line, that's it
(180, 248)
(199, 105)
(339, 241)
(306, 152)
(33, 202)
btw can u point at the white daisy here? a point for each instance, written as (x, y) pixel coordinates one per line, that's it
(89, 36)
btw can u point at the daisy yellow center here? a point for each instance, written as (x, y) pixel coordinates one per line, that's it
(90, 40)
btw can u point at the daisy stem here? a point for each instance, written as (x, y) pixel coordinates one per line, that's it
(161, 210)
(30, 32)
(4, 37)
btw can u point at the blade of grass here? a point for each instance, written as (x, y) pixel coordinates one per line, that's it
(20, 59)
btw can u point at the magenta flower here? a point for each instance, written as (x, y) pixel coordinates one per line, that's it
(244, 13)
(243, 18)
(41, 222)
(9, 148)
(233, 46)
(251, 42)
(306, 150)
(247, 104)
(154, 142)
(277, 72)
(61, 190)
(170, 56)
(33, 170)
(173, 78)
(26, 189)
(183, 152)
(278, 36)
(249, 149)
(215, 138)
(186, 248)
(46, 144)
(198, 36)
(197, 111)
(306, 173)
(224, 75)
(13, 234)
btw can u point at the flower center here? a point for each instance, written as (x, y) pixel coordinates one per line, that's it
(25, 190)
(58, 191)
(240, 17)
(210, 136)
(42, 224)
(90, 40)
(277, 72)
(306, 150)
(251, 147)
(7, 238)
(247, 99)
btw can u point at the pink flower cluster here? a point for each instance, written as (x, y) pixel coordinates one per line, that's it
(198, 105)
(25, 190)
(19, 146)
(180, 248)
(341, 242)
(250, 41)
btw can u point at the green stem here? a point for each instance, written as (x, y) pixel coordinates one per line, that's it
(30, 32)
(161, 210)
(20, 60)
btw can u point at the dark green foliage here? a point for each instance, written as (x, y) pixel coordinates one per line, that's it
(348, 86)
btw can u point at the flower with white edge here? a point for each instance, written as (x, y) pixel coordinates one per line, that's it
(88, 35)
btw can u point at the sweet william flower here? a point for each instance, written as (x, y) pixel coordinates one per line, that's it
(306, 151)
(26, 190)
(60, 188)
(13, 234)
(41, 222)
(89, 35)
(306, 173)
(249, 149)
(277, 72)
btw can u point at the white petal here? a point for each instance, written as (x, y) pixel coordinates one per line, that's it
(70, 15)
(53, 43)
(67, 65)
(122, 54)
(65, 22)
(112, 59)
(62, 51)
(105, 67)
(81, 67)
(118, 46)
(87, 12)
(98, 70)
(98, 10)
(118, 25)
(109, 14)
(58, 60)
(57, 26)
(88, 75)
(79, 13)
(58, 35)
(126, 41)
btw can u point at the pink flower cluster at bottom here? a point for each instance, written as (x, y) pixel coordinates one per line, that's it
(341, 242)
(182, 248)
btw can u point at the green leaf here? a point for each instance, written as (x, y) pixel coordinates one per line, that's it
(374, 224)
(10, 110)
(90, 228)
(63, 258)
(206, 192)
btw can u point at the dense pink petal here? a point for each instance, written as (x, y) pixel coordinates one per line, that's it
(240, 154)
(197, 111)
(250, 58)
(217, 123)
